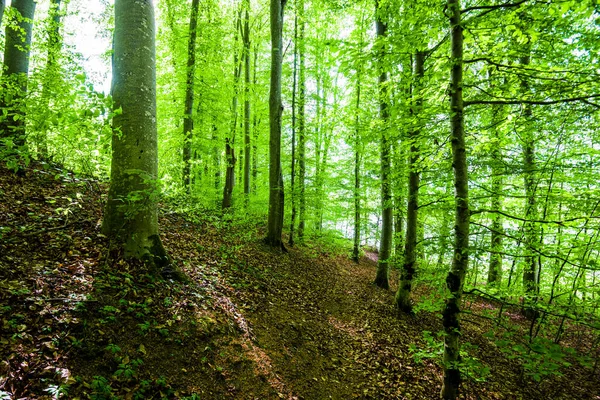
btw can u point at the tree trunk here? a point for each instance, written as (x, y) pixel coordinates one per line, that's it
(188, 118)
(255, 126)
(293, 166)
(497, 231)
(247, 101)
(301, 124)
(460, 260)
(276, 194)
(230, 139)
(385, 249)
(357, 154)
(51, 72)
(2, 4)
(410, 250)
(130, 218)
(530, 273)
(16, 69)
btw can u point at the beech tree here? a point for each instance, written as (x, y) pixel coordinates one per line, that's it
(131, 218)
(188, 118)
(385, 247)
(460, 261)
(276, 189)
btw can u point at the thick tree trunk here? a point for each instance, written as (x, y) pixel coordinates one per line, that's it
(460, 261)
(16, 70)
(301, 124)
(51, 73)
(130, 218)
(276, 193)
(247, 100)
(410, 249)
(188, 118)
(357, 158)
(385, 248)
(293, 166)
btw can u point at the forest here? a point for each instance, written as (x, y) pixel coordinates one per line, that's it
(300, 199)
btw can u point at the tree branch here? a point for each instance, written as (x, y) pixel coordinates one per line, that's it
(584, 99)
(498, 6)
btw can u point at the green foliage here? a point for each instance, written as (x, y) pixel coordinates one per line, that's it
(470, 366)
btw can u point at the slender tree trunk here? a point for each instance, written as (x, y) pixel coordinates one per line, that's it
(357, 158)
(134, 226)
(301, 123)
(410, 250)
(460, 261)
(188, 118)
(293, 172)
(247, 101)
(230, 139)
(497, 231)
(216, 158)
(2, 4)
(16, 70)
(385, 249)
(255, 126)
(276, 194)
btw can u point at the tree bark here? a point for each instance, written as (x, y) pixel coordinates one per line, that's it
(255, 126)
(276, 193)
(530, 273)
(230, 139)
(460, 262)
(247, 100)
(130, 217)
(357, 160)
(293, 166)
(301, 124)
(495, 266)
(2, 5)
(403, 301)
(385, 248)
(16, 70)
(188, 118)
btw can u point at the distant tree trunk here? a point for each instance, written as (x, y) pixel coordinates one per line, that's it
(230, 139)
(410, 249)
(460, 261)
(130, 218)
(1, 11)
(216, 152)
(357, 147)
(255, 127)
(276, 194)
(247, 100)
(188, 118)
(293, 166)
(51, 72)
(530, 274)
(385, 248)
(495, 267)
(16, 69)
(301, 124)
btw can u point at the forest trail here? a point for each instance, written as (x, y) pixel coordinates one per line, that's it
(80, 322)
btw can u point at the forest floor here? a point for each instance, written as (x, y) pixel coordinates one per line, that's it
(77, 321)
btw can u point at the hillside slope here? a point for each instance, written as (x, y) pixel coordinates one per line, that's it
(80, 322)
